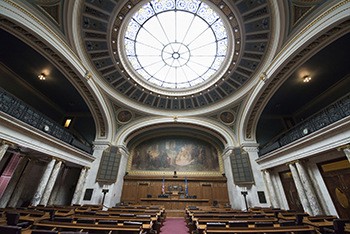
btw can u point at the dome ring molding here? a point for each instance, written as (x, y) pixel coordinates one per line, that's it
(233, 34)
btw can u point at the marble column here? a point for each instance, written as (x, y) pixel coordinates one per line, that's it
(21, 183)
(3, 148)
(51, 183)
(271, 188)
(347, 153)
(303, 199)
(267, 191)
(308, 188)
(60, 181)
(277, 189)
(80, 198)
(13, 182)
(43, 182)
(79, 187)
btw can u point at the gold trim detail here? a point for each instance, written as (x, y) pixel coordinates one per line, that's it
(48, 14)
(297, 19)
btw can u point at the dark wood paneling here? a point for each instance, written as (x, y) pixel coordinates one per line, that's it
(337, 180)
(211, 188)
(291, 192)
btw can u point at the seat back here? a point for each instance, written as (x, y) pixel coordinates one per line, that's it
(216, 225)
(238, 223)
(10, 229)
(263, 224)
(44, 232)
(284, 223)
(109, 222)
(63, 219)
(12, 218)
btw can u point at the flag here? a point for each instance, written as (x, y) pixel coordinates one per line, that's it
(186, 191)
(163, 186)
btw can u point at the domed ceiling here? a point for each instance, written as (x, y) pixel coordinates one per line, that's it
(246, 25)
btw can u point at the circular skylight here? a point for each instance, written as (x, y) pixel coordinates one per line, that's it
(176, 44)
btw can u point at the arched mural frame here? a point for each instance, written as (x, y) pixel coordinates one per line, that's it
(171, 172)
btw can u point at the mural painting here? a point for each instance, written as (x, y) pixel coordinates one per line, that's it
(175, 153)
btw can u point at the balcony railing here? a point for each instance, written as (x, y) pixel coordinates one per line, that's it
(21, 111)
(331, 114)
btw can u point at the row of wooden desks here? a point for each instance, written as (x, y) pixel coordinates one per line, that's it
(143, 220)
(77, 227)
(252, 229)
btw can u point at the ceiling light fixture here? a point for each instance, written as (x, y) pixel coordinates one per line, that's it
(67, 123)
(306, 78)
(41, 76)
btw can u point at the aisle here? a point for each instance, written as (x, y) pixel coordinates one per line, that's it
(174, 225)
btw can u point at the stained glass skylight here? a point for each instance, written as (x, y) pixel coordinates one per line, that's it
(176, 44)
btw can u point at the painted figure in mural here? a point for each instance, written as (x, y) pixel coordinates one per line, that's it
(184, 157)
(201, 156)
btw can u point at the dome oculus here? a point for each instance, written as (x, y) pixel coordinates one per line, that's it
(176, 44)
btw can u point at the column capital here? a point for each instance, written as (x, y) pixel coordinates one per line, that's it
(6, 142)
(268, 170)
(101, 145)
(56, 158)
(86, 168)
(123, 150)
(250, 147)
(300, 161)
(290, 163)
(340, 148)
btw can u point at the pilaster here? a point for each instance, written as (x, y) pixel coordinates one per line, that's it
(21, 183)
(43, 182)
(304, 201)
(308, 188)
(50, 184)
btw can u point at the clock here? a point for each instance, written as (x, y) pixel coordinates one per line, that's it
(305, 131)
(46, 128)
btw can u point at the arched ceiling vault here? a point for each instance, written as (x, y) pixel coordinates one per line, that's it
(50, 45)
(173, 125)
(296, 60)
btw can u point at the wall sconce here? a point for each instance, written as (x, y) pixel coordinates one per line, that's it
(41, 76)
(306, 78)
(67, 123)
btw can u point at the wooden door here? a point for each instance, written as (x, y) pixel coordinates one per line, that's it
(336, 175)
(142, 191)
(291, 192)
(207, 192)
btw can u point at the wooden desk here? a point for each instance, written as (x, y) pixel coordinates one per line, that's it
(175, 204)
(275, 229)
(81, 226)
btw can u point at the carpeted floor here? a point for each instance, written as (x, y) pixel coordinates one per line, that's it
(174, 226)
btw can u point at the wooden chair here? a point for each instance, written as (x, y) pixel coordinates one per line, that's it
(10, 229)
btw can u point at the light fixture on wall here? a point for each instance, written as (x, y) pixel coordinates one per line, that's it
(306, 78)
(67, 123)
(41, 76)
